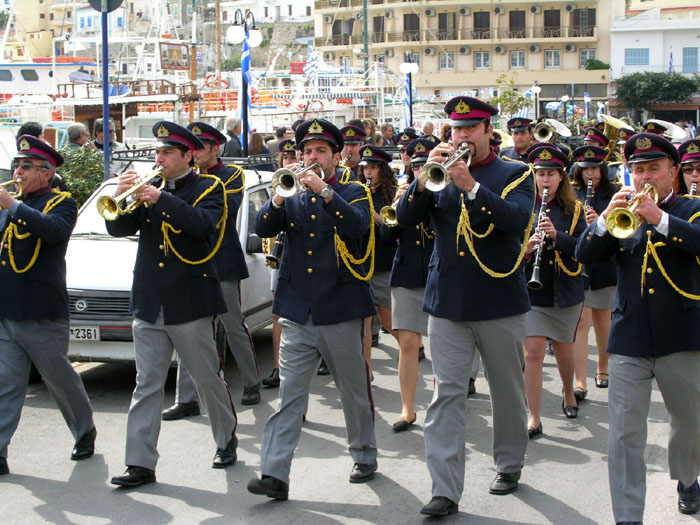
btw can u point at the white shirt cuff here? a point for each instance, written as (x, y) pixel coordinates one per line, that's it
(662, 227)
(472, 194)
(600, 227)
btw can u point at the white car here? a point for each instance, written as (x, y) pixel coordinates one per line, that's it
(100, 273)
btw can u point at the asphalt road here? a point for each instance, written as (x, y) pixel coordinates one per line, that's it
(564, 479)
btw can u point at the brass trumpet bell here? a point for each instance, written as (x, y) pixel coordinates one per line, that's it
(622, 223)
(285, 182)
(434, 175)
(388, 215)
(110, 207)
(18, 185)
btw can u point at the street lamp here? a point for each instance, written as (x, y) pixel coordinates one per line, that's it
(243, 31)
(536, 90)
(408, 68)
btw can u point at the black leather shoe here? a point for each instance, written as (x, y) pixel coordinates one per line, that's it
(472, 387)
(4, 469)
(274, 380)
(440, 506)
(135, 476)
(688, 498)
(323, 369)
(534, 431)
(602, 380)
(401, 425)
(570, 412)
(85, 446)
(580, 394)
(421, 353)
(362, 472)
(375, 340)
(226, 456)
(505, 483)
(251, 395)
(180, 410)
(270, 487)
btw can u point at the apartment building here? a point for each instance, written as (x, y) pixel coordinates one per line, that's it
(267, 11)
(466, 45)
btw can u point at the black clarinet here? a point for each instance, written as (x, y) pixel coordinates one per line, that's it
(693, 188)
(589, 194)
(534, 282)
(273, 258)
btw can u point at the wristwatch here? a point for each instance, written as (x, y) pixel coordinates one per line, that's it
(326, 192)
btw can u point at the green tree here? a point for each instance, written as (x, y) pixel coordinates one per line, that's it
(643, 90)
(83, 171)
(231, 63)
(508, 99)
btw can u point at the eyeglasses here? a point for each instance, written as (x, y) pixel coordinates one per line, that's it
(26, 165)
(689, 168)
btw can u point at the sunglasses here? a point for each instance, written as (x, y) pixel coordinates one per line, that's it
(25, 165)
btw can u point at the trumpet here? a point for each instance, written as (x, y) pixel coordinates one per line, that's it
(285, 182)
(534, 283)
(623, 222)
(693, 188)
(388, 215)
(15, 182)
(111, 207)
(434, 175)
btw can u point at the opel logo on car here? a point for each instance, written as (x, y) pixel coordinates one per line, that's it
(81, 305)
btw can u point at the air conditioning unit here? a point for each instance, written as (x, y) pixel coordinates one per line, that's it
(328, 19)
(430, 12)
(389, 53)
(329, 55)
(536, 9)
(569, 48)
(465, 50)
(464, 11)
(534, 48)
(570, 8)
(499, 50)
(358, 16)
(388, 14)
(498, 10)
(429, 51)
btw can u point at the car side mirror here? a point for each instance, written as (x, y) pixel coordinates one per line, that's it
(254, 244)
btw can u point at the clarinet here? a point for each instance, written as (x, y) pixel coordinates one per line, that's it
(589, 194)
(534, 282)
(693, 188)
(273, 258)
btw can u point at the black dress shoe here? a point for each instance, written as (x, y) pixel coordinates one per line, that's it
(504, 483)
(226, 456)
(534, 431)
(375, 339)
(402, 425)
(323, 369)
(688, 498)
(270, 487)
(180, 410)
(135, 476)
(251, 395)
(362, 472)
(472, 387)
(440, 506)
(602, 382)
(4, 469)
(421, 353)
(580, 394)
(570, 412)
(274, 380)
(85, 446)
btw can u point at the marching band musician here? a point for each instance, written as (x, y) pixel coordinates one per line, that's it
(402, 141)
(322, 298)
(354, 138)
(599, 279)
(689, 153)
(35, 225)
(476, 298)
(558, 299)
(653, 334)
(407, 281)
(592, 136)
(521, 131)
(174, 298)
(376, 173)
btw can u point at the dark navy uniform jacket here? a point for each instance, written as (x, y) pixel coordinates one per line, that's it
(230, 260)
(568, 289)
(40, 292)
(186, 292)
(415, 246)
(384, 247)
(511, 153)
(602, 274)
(457, 288)
(659, 321)
(313, 280)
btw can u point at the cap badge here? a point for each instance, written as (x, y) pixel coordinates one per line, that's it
(163, 131)
(651, 126)
(590, 133)
(644, 143)
(315, 128)
(693, 148)
(420, 148)
(545, 155)
(517, 124)
(589, 154)
(462, 108)
(288, 147)
(196, 130)
(349, 132)
(405, 137)
(24, 145)
(431, 138)
(367, 152)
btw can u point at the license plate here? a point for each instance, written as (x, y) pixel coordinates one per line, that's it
(85, 333)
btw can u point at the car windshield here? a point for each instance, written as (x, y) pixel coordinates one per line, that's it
(89, 220)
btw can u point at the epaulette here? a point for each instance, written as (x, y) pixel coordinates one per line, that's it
(512, 160)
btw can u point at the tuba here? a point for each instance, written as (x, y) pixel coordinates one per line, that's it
(17, 183)
(623, 222)
(434, 175)
(110, 207)
(534, 283)
(549, 130)
(612, 131)
(285, 182)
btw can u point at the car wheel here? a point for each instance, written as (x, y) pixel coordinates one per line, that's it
(34, 375)
(221, 342)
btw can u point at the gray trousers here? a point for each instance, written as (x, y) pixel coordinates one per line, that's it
(239, 340)
(153, 349)
(453, 347)
(46, 343)
(629, 396)
(340, 345)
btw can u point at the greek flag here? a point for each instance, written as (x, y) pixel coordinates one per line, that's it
(407, 100)
(670, 62)
(245, 73)
(525, 110)
(312, 64)
(553, 106)
(601, 109)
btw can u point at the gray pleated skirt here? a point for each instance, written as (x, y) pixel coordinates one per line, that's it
(553, 322)
(407, 310)
(600, 299)
(379, 284)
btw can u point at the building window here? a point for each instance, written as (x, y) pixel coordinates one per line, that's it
(583, 22)
(637, 57)
(516, 26)
(552, 23)
(584, 56)
(224, 15)
(82, 23)
(120, 22)
(446, 26)
(50, 16)
(30, 75)
(414, 57)
(266, 12)
(380, 58)
(447, 60)
(69, 14)
(308, 10)
(517, 59)
(552, 58)
(289, 9)
(482, 24)
(690, 60)
(378, 28)
(411, 27)
(346, 64)
(482, 60)
(42, 15)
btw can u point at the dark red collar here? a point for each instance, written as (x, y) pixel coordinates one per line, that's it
(483, 163)
(38, 193)
(215, 167)
(670, 201)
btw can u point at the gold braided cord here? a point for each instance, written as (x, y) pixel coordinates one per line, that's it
(424, 234)
(238, 173)
(464, 229)
(345, 176)
(572, 228)
(341, 249)
(221, 225)
(12, 232)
